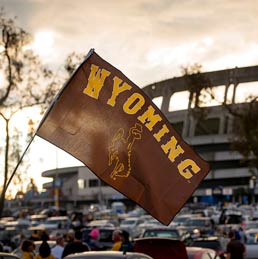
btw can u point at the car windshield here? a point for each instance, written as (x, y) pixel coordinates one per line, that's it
(195, 222)
(180, 219)
(128, 222)
(8, 234)
(251, 225)
(161, 233)
(207, 244)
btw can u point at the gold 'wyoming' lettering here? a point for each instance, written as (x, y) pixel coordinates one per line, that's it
(134, 104)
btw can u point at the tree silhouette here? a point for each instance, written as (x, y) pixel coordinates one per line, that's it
(25, 83)
(244, 137)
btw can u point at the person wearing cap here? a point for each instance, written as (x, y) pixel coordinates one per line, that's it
(94, 239)
(58, 249)
(126, 245)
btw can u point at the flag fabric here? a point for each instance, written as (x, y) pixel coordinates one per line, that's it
(108, 123)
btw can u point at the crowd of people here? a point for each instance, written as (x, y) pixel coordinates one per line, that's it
(70, 244)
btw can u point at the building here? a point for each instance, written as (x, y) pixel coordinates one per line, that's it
(78, 186)
(209, 133)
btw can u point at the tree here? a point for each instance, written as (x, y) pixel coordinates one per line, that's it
(200, 88)
(72, 62)
(245, 132)
(25, 83)
(244, 116)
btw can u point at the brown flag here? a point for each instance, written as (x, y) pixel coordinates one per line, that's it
(108, 123)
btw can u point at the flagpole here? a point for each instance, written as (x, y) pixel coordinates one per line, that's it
(19, 162)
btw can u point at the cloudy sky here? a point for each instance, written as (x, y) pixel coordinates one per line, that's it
(148, 40)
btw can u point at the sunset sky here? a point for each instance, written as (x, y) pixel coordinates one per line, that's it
(148, 40)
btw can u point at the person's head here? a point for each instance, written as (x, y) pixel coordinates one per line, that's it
(125, 236)
(59, 239)
(78, 235)
(35, 233)
(27, 246)
(44, 235)
(94, 234)
(22, 235)
(117, 235)
(231, 234)
(70, 235)
(44, 249)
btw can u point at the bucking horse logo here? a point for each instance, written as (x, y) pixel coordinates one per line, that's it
(122, 167)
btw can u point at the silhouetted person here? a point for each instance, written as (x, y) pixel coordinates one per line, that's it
(35, 236)
(44, 251)
(27, 249)
(94, 239)
(126, 246)
(235, 249)
(76, 246)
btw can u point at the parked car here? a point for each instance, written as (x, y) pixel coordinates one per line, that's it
(131, 225)
(179, 220)
(161, 248)
(211, 242)
(108, 255)
(198, 226)
(37, 219)
(251, 224)
(252, 243)
(161, 232)
(18, 224)
(7, 237)
(8, 256)
(200, 253)
(231, 216)
(101, 223)
(251, 235)
(57, 222)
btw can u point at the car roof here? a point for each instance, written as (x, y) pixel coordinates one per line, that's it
(11, 255)
(39, 227)
(251, 230)
(200, 218)
(58, 218)
(108, 255)
(207, 238)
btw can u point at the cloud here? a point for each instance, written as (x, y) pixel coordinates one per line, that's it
(147, 39)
